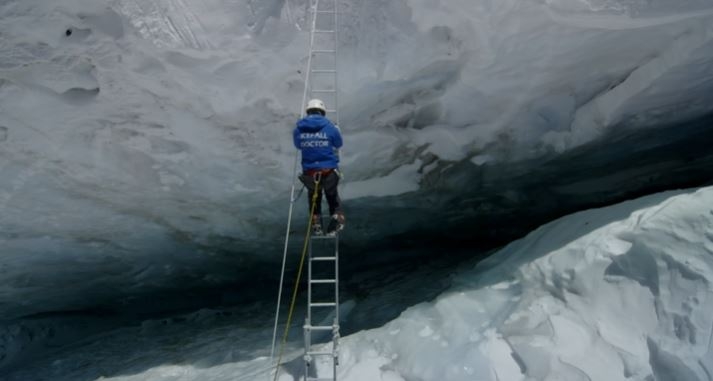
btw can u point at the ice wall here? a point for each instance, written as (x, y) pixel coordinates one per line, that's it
(145, 146)
(618, 293)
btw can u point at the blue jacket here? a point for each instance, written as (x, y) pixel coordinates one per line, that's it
(318, 139)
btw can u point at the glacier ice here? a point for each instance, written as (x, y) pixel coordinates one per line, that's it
(618, 293)
(144, 145)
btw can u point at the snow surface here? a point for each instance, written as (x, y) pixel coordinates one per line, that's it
(619, 293)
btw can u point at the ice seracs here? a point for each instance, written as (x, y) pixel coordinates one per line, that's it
(618, 293)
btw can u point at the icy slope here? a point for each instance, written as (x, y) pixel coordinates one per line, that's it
(618, 293)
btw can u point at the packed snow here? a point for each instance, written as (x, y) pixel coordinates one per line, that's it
(618, 293)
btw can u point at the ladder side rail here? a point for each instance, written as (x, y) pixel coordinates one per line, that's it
(335, 323)
(308, 319)
(340, 151)
(336, 279)
(335, 333)
(308, 74)
(336, 336)
(309, 286)
(308, 90)
(336, 61)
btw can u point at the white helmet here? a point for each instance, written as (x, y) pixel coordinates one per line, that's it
(316, 104)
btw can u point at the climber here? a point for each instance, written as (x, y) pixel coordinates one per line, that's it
(320, 140)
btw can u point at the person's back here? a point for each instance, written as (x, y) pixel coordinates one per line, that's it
(319, 140)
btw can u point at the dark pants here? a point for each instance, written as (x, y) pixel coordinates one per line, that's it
(328, 181)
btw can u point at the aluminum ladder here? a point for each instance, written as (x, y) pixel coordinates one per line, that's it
(324, 307)
(322, 75)
(322, 83)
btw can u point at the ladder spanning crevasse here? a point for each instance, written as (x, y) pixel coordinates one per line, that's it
(322, 65)
(323, 258)
(322, 306)
(323, 267)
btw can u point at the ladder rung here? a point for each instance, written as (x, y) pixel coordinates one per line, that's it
(319, 379)
(323, 281)
(324, 258)
(319, 327)
(320, 353)
(323, 31)
(324, 51)
(331, 111)
(330, 304)
(320, 71)
(324, 91)
(331, 12)
(323, 237)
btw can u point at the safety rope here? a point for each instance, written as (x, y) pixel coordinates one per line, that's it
(294, 181)
(299, 276)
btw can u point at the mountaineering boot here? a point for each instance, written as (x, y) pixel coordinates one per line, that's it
(317, 225)
(336, 224)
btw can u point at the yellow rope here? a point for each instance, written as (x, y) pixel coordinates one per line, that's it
(297, 281)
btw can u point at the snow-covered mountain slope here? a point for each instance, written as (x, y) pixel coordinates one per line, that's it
(618, 293)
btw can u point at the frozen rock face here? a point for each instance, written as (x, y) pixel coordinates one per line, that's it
(145, 146)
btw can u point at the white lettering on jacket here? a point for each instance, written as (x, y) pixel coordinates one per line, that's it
(313, 135)
(314, 140)
(314, 144)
